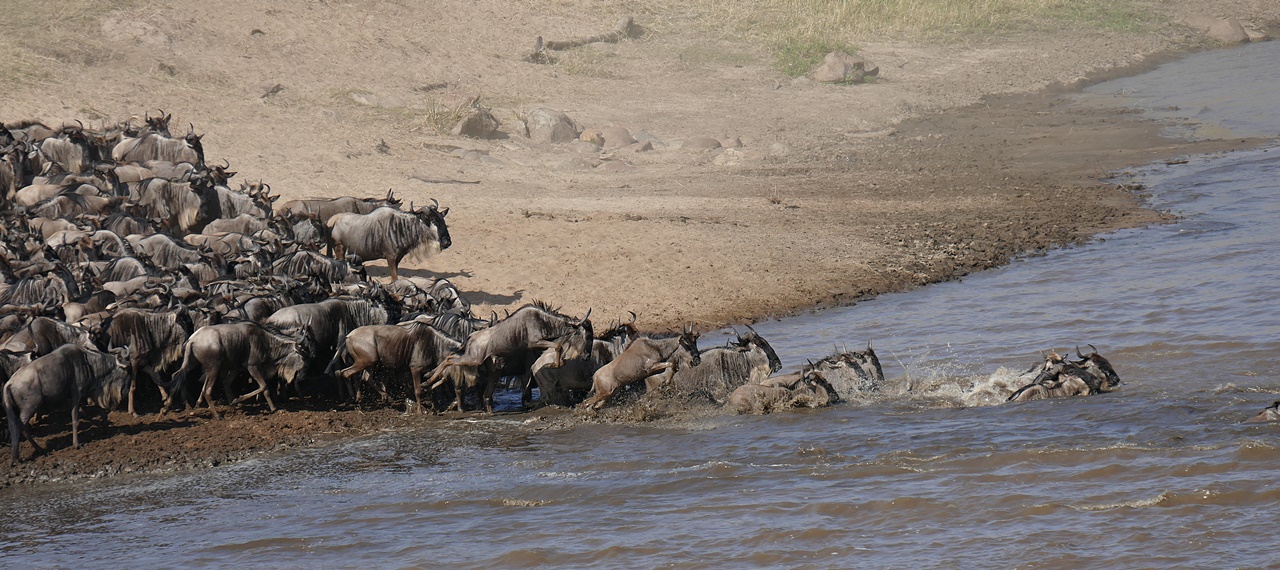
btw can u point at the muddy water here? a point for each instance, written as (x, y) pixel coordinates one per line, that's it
(1161, 473)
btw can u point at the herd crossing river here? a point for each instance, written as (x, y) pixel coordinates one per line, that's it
(1162, 473)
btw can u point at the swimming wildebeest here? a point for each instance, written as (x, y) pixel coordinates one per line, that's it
(805, 389)
(851, 373)
(531, 328)
(645, 357)
(1058, 377)
(1269, 414)
(390, 234)
(721, 369)
(70, 374)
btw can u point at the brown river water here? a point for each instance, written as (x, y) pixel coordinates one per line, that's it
(1161, 473)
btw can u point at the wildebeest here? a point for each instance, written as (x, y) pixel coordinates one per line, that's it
(1058, 377)
(154, 340)
(330, 320)
(852, 373)
(390, 234)
(322, 210)
(645, 357)
(69, 374)
(721, 369)
(43, 335)
(564, 381)
(1269, 414)
(531, 328)
(414, 348)
(261, 350)
(805, 389)
(154, 146)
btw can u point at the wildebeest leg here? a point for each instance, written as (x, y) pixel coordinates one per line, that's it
(75, 421)
(211, 376)
(416, 373)
(133, 386)
(392, 263)
(262, 388)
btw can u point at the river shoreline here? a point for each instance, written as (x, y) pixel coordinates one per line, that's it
(934, 199)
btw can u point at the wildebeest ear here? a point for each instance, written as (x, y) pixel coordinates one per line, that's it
(444, 212)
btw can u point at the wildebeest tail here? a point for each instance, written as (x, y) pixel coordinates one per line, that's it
(339, 358)
(178, 384)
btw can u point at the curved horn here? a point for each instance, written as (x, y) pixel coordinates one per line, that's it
(435, 204)
(753, 331)
(633, 316)
(588, 315)
(228, 164)
(1095, 349)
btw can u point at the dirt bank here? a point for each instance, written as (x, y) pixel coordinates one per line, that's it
(944, 166)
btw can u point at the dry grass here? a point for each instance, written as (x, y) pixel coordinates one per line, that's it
(799, 32)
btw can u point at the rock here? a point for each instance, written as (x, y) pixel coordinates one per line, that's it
(840, 67)
(700, 143)
(521, 128)
(730, 157)
(1257, 36)
(584, 147)
(635, 148)
(1228, 31)
(616, 137)
(548, 125)
(779, 149)
(592, 136)
(477, 123)
(733, 142)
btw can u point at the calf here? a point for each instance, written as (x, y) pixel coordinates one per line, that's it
(644, 358)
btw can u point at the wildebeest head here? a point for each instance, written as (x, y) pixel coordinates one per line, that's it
(433, 217)
(754, 338)
(689, 342)
(302, 348)
(1100, 367)
(158, 124)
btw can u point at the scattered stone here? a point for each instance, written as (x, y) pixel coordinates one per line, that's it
(382, 147)
(700, 143)
(477, 123)
(840, 67)
(779, 149)
(637, 147)
(548, 125)
(616, 137)
(1228, 31)
(592, 136)
(733, 142)
(1257, 36)
(273, 90)
(486, 159)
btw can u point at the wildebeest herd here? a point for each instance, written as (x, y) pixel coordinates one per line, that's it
(133, 274)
